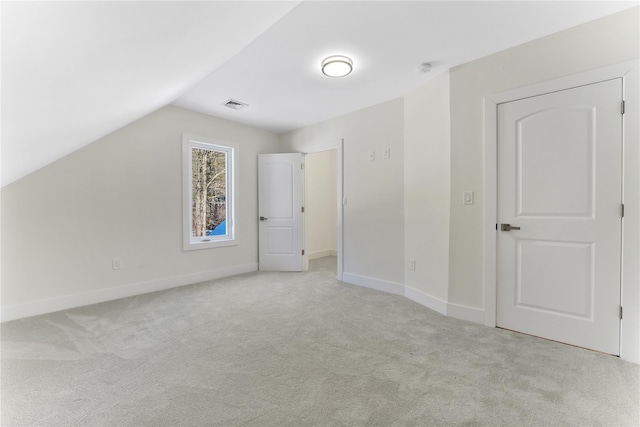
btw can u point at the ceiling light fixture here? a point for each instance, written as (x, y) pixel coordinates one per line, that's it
(337, 66)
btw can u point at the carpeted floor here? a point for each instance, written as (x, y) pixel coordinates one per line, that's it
(297, 349)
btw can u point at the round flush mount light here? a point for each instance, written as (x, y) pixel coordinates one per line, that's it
(337, 66)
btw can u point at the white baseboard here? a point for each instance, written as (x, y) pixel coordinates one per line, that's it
(370, 282)
(50, 305)
(445, 308)
(322, 254)
(463, 312)
(423, 298)
(470, 314)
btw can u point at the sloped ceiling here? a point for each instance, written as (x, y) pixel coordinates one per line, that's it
(73, 72)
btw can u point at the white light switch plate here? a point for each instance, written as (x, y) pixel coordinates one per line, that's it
(467, 197)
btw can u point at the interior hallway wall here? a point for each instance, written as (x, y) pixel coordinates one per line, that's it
(373, 216)
(320, 204)
(120, 196)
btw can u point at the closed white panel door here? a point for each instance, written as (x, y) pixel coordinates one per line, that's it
(560, 186)
(280, 197)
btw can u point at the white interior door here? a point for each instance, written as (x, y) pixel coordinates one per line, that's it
(560, 182)
(281, 222)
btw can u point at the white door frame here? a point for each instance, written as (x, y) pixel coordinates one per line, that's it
(338, 146)
(630, 73)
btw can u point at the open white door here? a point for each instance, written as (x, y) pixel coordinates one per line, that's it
(281, 222)
(559, 214)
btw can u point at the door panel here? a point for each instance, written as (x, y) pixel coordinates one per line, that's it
(280, 194)
(560, 181)
(278, 175)
(556, 277)
(550, 143)
(280, 240)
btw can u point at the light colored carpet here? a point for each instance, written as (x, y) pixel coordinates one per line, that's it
(297, 349)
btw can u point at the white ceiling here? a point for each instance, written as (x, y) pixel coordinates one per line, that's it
(74, 72)
(279, 76)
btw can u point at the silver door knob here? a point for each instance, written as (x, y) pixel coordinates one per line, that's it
(508, 227)
(263, 218)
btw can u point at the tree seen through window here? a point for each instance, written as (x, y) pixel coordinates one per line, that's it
(209, 190)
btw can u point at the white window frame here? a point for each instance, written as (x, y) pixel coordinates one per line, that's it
(231, 238)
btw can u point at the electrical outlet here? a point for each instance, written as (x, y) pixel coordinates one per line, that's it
(372, 156)
(387, 153)
(116, 263)
(412, 264)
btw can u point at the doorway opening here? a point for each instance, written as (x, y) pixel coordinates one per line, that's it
(329, 156)
(321, 198)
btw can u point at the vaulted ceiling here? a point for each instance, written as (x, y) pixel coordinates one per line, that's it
(73, 72)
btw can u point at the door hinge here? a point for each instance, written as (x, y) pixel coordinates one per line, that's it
(622, 210)
(302, 166)
(621, 312)
(622, 108)
(303, 252)
(302, 209)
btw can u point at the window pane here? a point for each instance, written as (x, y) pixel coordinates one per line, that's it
(209, 192)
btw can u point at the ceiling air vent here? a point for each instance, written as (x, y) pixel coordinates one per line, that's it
(236, 105)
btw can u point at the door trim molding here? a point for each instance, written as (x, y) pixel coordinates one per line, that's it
(630, 73)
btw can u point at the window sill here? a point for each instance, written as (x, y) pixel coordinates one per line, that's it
(195, 245)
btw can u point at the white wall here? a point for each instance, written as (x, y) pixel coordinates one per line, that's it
(373, 217)
(426, 188)
(602, 42)
(120, 196)
(320, 204)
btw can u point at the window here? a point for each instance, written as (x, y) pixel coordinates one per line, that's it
(208, 185)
